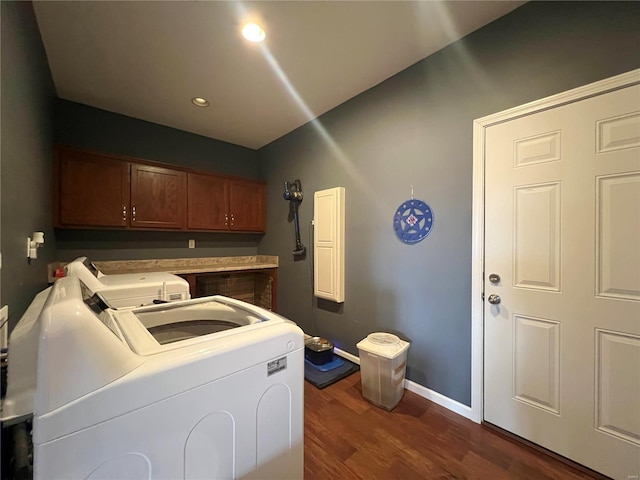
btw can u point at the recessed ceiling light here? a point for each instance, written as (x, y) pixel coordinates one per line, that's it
(253, 32)
(200, 102)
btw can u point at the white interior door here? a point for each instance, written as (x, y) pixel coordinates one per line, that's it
(562, 231)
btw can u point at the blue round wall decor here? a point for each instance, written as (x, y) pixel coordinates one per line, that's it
(413, 221)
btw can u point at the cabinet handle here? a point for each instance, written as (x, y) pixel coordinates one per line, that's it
(124, 213)
(232, 219)
(133, 213)
(226, 219)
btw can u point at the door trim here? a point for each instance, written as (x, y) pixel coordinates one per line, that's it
(477, 229)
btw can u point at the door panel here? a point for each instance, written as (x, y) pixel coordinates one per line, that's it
(616, 388)
(536, 253)
(617, 201)
(562, 216)
(247, 206)
(93, 190)
(618, 133)
(208, 202)
(158, 197)
(536, 362)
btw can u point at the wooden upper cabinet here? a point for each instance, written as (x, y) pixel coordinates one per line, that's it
(247, 206)
(91, 190)
(219, 203)
(207, 202)
(158, 197)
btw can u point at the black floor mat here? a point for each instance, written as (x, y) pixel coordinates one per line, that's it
(322, 379)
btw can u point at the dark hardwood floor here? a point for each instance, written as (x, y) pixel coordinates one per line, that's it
(346, 437)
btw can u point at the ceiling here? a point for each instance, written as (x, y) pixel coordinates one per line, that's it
(148, 59)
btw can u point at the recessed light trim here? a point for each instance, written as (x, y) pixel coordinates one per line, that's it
(200, 102)
(253, 32)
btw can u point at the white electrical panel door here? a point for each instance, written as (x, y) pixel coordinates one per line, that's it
(328, 244)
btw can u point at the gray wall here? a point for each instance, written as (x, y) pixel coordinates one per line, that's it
(94, 129)
(140, 245)
(28, 98)
(416, 129)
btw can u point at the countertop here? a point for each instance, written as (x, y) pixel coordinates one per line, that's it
(181, 265)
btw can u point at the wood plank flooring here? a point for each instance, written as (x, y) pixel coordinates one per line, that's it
(348, 438)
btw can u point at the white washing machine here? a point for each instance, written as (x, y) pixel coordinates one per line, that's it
(129, 289)
(205, 388)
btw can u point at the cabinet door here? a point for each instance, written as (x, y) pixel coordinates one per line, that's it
(247, 206)
(207, 202)
(158, 197)
(91, 189)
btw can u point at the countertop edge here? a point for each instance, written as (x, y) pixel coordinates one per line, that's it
(180, 265)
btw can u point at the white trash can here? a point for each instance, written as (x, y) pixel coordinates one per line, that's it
(383, 363)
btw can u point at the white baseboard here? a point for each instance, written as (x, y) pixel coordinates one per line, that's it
(347, 355)
(418, 389)
(440, 399)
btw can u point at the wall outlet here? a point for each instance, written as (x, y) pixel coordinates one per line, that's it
(192, 244)
(4, 326)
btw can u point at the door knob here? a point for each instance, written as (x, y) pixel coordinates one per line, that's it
(494, 299)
